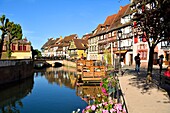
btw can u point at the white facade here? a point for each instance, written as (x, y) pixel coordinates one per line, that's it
(93, 48)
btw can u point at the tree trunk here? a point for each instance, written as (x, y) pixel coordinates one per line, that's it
(1, 44)
(150, 64)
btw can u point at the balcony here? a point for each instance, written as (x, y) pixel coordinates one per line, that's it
(129, 48)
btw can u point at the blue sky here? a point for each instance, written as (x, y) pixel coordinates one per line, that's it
(43, 19)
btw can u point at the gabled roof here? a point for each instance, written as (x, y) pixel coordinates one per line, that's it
(86, 36)
(56, 42)
(70, 37)
(97, 30)
(102, 28)
(50, 41)
(109, 19)
(106, 26)
(15, 40)
(122, 12)
(80, 44)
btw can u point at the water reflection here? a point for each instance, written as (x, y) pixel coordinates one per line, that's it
(89, 92)
(50, 90)
(11, 95)
(62, 76)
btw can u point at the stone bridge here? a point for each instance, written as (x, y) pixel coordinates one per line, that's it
(52, 62)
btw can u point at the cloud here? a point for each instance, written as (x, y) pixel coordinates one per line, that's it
(28, 32)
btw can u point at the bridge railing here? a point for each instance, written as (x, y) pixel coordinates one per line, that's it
(13, 62)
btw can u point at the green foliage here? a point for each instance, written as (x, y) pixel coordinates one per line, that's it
(12, 30)
(107, 56)
(154, 21)
(36, 52)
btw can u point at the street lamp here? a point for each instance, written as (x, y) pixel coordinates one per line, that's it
(119, 34)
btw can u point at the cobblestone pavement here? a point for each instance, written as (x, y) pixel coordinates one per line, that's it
(141, 97)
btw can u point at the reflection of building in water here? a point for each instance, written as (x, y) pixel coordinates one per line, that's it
(61, 76)
(11, 95)
(88, 93)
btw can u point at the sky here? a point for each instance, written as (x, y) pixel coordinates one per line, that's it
(44, 19)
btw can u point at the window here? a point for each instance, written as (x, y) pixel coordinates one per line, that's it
(13, 47)
(105, 36)
(24, 48)
(101, 37)
(143, 54)
(20, 47)
(110, 34)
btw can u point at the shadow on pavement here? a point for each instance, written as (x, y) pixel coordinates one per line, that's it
(139, 81)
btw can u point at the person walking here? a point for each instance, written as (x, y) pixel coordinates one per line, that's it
(121, 61)
(137, 61)
(160, 62)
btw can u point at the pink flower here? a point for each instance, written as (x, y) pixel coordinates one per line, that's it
(103, 90)
(105, 103)
(112, 110)
(111, 102)
(106, 94)
(105, 111)
(83, 111)
(118, 107)
(101, 83)
(88, 107)
(93, 107)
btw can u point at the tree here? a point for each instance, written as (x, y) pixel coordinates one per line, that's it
(35, 52)
(12, 31)
(3, 28)
(152, 22)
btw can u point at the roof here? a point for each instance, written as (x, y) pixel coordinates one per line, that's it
(106, 26)
(70, 37)
(50, 41)
(97, 30)
(56, 42)
(15, 40)
(80, 44)
(122, 12)
(86, 36)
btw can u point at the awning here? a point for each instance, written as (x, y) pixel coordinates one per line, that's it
(121, 52)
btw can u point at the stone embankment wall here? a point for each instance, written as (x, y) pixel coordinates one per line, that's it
(69, 63)
(14, 70)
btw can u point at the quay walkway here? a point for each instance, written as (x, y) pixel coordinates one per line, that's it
(141, 97)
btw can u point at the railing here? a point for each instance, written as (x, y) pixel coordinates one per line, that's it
(90, 70)
(118, 92)
(5, 63)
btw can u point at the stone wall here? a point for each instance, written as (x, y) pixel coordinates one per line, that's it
(14, 70)
(69, 63)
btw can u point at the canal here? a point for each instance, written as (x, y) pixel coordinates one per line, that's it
(51, 90)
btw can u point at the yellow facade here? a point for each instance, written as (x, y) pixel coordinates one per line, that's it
(18, 55)
(80, 52)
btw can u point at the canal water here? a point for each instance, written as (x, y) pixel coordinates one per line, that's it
(51, 90)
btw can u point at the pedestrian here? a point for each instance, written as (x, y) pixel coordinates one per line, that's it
(121, 61)
(82, 56)
(160, 62)
(137, 61)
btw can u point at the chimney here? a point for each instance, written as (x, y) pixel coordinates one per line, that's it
(121, 7)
